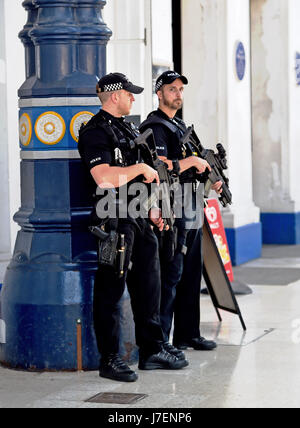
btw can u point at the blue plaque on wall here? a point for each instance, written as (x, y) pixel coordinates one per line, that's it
(297, 68)
(240, 61)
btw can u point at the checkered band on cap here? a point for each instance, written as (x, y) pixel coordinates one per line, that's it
(113, 87)
(158, 85)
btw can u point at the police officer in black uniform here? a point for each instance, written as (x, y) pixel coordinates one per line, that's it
(106, 147)
(181, 276)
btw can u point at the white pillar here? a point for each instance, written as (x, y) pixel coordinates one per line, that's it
(12, 75)
(130, 49)
(276, 125)
(162, 41)
(4, 194)
(15, 16)
(219, 105)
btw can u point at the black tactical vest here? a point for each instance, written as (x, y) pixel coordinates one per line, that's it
(121, 135)
(174, 126)
(178, 128)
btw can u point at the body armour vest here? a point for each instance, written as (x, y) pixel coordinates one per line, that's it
(121, 135)
(173, 126)
(178, 128)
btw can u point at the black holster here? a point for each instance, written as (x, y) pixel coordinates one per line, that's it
(111, 249)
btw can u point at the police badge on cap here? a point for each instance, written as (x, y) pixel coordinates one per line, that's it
(116, 81)
(168, 77)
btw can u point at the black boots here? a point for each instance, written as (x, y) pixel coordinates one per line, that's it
(113, 367)
(173, 351)
(162, 360)
(198, 343)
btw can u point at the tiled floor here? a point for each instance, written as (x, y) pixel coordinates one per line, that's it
(256, 368)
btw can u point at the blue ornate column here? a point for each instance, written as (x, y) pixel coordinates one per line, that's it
(93, 38)
(26, 40)
(48, 285)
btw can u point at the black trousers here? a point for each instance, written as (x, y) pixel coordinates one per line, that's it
(181, 286)
(144, 286)
(187, 303)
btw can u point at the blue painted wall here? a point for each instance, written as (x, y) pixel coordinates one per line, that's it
(245, 243)
(281, 228)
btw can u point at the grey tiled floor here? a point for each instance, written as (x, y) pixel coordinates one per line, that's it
(256, 368)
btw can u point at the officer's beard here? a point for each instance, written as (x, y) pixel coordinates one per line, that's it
(173, 105)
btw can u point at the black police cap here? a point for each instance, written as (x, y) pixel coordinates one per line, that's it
(116, 81)
(168, 77)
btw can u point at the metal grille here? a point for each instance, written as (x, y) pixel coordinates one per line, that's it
(116, 398)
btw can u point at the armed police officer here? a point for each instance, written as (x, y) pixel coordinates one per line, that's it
(180, 274)
(106, 147)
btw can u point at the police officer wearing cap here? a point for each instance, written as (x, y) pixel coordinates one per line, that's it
(105, 146)
(181, 275)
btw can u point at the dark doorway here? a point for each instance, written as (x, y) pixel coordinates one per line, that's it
(176, 27)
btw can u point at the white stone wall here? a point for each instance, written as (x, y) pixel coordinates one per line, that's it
(200, 36)
(216, 101)
(276, 100)
(130, 48)
(4, 192)
(294, 101)
(13, 18)
(162, 43)
(142, 37)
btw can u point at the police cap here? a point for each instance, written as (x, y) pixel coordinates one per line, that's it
(168, 77)
(116, 81)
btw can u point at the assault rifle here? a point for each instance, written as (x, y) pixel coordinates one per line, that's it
(164, 193)
(217, 162)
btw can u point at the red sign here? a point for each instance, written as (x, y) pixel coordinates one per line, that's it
(214, 218)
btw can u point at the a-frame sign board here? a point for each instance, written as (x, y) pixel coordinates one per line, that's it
(214, 273)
